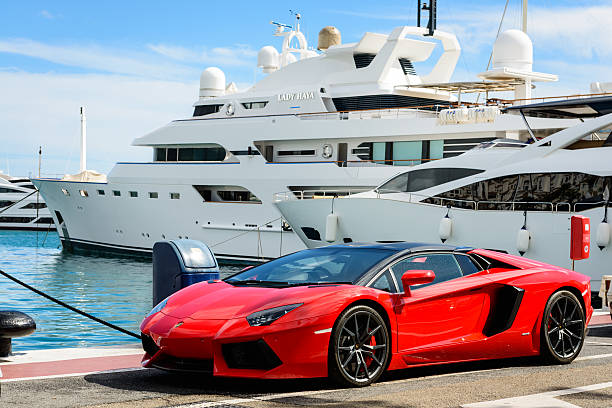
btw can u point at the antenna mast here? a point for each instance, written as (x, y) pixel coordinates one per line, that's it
(432, 9)
(524, 16)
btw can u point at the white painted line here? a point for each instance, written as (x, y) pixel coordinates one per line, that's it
(47, 377)
(43, 356)
(593, 357)
(598, 343)
(545, 399)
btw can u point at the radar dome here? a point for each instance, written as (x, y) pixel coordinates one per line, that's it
(212, 82)
(513, 49)
(267, 59)
(328, 36)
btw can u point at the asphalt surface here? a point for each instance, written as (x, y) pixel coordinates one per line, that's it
(439, 386)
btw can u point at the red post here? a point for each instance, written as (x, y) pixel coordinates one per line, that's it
(580, 245)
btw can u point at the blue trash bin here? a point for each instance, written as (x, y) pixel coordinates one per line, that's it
(180, 263)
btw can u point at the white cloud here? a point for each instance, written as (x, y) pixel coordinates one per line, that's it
(231, 56)
(46, 14)
(43, 110)
(99, 58)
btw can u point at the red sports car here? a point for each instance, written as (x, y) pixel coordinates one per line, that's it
(353, 311)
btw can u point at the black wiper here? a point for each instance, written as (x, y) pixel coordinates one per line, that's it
(249, 282)
(321, 283)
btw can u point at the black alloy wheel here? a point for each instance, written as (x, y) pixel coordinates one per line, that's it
(563, 328)
(359, 347)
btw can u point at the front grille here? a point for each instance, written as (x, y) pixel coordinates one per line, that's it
(170, 363)
(149, 345)
(256, 355)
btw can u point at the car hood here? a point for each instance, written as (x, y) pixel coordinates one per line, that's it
(220, 300)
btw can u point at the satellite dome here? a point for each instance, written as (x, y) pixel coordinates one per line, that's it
(267, 59)
(212, 82)
(513, 49)
(290, 59)
(328, 36)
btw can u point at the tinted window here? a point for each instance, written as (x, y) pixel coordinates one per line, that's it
(444, 266)
(160, 154)
(383, 283)
(542, 191)
(467, 266)
(329, 264)
(417, 180)
(172, 153)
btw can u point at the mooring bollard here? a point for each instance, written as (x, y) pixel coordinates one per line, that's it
(13, 324)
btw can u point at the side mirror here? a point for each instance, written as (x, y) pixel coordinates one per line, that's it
(416, 277)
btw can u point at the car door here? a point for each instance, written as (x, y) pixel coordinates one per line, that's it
(435, 316)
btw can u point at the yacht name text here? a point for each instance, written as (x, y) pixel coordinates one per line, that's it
(297, 96)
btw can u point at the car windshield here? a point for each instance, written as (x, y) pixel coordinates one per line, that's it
(314, 266)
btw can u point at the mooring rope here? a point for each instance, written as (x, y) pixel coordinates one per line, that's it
(67, 306)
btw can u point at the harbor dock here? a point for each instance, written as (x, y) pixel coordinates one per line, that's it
(112, 377)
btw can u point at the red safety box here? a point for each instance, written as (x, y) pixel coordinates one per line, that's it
(580, 245)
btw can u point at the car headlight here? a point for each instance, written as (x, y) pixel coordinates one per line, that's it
(268, 316)
(159, 307)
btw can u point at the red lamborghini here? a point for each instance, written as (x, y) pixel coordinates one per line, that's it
(353, 311)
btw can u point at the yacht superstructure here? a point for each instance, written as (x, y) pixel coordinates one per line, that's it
(21, 207)
(334, 122)
(505, 195)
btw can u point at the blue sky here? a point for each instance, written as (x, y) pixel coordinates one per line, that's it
(135, 65)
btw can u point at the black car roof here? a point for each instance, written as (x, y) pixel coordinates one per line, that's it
(402, 246)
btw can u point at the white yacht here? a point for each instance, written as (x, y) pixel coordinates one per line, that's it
(21, 207)
(333, 121)
(504, 195)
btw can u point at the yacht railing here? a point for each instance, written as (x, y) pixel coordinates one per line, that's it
(445, 202)
(429, 111)
(545, 98)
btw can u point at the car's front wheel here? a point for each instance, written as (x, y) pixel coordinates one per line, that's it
(563, 328)
(359, 347)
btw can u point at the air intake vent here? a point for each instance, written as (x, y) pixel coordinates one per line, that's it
(407, 66)
(382, 102)
(363, 60)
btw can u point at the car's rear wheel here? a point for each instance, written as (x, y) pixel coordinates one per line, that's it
(359, 347)
(563, 328)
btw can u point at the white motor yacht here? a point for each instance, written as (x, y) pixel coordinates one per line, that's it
(336, 120)
(505, 195)
(21, 207)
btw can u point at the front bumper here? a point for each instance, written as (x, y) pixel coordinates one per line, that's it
(233, 348)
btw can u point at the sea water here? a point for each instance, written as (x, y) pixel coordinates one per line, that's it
(115, 289)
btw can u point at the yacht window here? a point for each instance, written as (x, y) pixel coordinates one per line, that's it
(66, 192)
(116, 193)
(44, 220)
(83, 193)
(172, 154)
(254, 105)
(191, 154)
(296, 153)
(8, 190)
(223, 193)
(175, 196)
(407, 66)
(133, 194)
(6, 203)
(532, 192)
(160, 154)
(101, 192)
(425, 178)
(34, 206)
(363, 151)
(363, 60)
(203, 110)
(19, 220)
(153, 194)
(238, 196)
